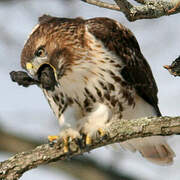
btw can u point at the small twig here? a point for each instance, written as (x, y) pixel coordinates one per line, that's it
(102, 4)
(117, 131)
(148, 10)
(125, 7)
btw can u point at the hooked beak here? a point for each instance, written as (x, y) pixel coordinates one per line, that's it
(170, 69)
(34, 69)
(167, 67)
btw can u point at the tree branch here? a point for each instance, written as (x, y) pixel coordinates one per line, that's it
(78, 167)
(117, 131)
(141, 1)
(102, 4)
(147, 10)
(124, 6)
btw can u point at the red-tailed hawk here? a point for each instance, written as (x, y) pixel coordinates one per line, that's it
(98, 73)
(174, 68)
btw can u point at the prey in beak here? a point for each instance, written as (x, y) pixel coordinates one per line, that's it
(44, 77)
(174, 68)
(33, 68)
(44, 73)
(23, 78)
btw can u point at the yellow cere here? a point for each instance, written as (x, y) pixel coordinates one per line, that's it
(29, 66)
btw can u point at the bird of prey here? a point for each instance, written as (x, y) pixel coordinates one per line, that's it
(174, 68)
(98, 74)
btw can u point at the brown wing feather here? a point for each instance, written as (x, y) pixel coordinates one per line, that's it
(123, 43)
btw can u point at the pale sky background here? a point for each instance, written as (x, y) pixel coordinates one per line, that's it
(25, 110)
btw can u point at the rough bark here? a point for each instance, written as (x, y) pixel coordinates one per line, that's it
(77, 167)
(117, 131)
(148, 9)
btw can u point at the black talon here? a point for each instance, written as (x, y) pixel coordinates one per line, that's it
(102, 138)
(52, 143)
(79, 142)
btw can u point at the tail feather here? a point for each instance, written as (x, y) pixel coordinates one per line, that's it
(154, 149)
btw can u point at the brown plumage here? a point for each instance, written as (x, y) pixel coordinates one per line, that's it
(174, 68)
(96, 73)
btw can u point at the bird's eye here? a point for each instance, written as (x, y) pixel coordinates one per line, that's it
(40, 52)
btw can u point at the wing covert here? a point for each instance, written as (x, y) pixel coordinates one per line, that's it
(123, 43)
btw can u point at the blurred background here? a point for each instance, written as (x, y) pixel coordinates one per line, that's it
(26, 119)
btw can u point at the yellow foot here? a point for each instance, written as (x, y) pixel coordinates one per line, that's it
(65, 142)
(65, 137)
(53, 138)
(101, 132)
(88, 140)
